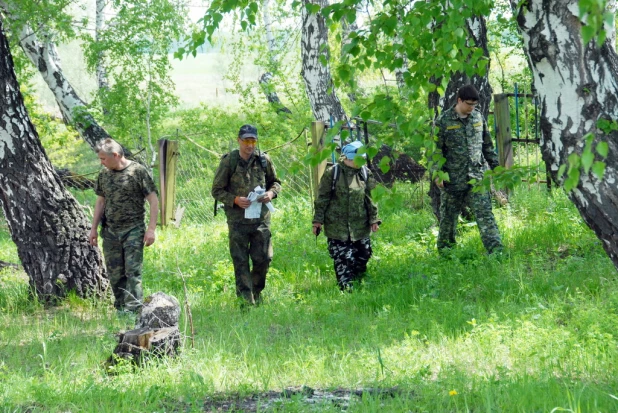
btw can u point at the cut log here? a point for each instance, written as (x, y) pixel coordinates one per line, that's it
(143, 343)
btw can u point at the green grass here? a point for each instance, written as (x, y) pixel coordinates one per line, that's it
(532, 332)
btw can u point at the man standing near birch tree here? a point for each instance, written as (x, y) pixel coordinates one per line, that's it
(121, 189)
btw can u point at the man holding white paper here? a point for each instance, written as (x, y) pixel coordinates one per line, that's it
(246, 182)
(255, 209)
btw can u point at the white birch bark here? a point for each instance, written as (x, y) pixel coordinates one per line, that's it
(318, 80)
(577, 86)
(101, 68)
(400, 72)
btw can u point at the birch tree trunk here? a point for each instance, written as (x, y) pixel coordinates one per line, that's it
(46, 223)
(45, 58)
(315, 68)
(265, 79)
(577, 86)
(101, 68)
(401, 71)
(74, 111)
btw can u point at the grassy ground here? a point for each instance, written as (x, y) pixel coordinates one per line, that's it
(532, 332)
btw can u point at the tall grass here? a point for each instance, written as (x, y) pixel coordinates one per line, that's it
(532, 331)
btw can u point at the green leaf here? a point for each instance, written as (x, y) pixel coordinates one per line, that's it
(391, 23)
(385, 164)
(599, 169)
(601, 36)
(572, 180)
(587, 160)
(603, 149)
(587, 33)
(313, 8)
(604, 125)
(378, 192)
(574, 161)
(372, 151)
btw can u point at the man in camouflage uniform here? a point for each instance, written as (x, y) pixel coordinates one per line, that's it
(121, 189)
(465, 143)
(348, 215)
(239, 172)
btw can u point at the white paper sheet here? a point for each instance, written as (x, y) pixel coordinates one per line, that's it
(255, 209)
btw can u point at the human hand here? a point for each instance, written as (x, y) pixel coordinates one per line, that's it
(93, 237)
(267, 197)
(242, 202)
(149, 237)
(317, 227)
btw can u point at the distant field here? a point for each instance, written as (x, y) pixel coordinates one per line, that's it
(198, 79)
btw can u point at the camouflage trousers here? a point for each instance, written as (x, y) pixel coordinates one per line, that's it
(250, 241)
(480, 202)
(124, 255)
(350, 260)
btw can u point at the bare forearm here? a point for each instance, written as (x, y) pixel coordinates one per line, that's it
(153, 201)
(99, 207)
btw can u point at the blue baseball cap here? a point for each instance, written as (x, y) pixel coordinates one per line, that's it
(351, 149)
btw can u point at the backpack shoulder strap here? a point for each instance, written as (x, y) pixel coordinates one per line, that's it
(234, 155)
(364, 173)
(336, 172)
(263, 160)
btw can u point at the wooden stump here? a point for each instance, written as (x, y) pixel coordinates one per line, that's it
(156, 332)
(142, 343)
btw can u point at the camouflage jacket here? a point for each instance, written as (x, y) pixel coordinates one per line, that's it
(347, 214)
(466, 145)
(229, 184)
(124, 192)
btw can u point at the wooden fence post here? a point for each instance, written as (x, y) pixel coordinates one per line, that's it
(317, 141)
(503, 129)
(168, 156)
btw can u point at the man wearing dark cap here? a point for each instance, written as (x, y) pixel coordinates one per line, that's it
(238, 174)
